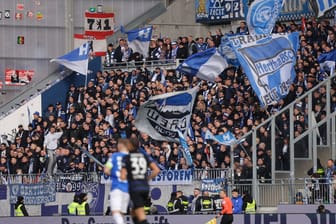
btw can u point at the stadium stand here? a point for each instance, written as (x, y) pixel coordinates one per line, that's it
(93, 118)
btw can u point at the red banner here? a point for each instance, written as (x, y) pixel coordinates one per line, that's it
(18, 77)
(102, 23)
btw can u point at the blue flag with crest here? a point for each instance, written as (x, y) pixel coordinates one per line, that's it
(76, 60)
(268, 61)
(138, 39)
(262, 16)
(225, 139)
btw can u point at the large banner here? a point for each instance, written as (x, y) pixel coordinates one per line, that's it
(217, 11)
(18, 77)
(324, 6)
(34, 194)
(162, 115)
(169, 177)
(268, 62)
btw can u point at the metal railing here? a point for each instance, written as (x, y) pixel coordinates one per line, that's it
(127, 66)
(302, 142)
(201, 174)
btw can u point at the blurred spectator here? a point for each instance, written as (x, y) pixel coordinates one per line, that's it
(237, 202)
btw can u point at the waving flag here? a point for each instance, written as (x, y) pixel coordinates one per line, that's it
(262, 16)
(162, 115)
(323, 6)
(268, 63)
(205, 65)
(76, 60)
(185, 149)
(327, 61)
(225, 139)
(138, 39)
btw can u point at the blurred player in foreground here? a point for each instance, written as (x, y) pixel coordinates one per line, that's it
(135, 168)
(119, 188)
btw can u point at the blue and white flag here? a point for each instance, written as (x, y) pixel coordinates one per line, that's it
(268, 61)
(205, 65)
(185, 149)
(225, 139)
(324, 5)
(262, 16)
(226, 50)
(139, 39)
(76, 60)
(327, 61)
(161, 116)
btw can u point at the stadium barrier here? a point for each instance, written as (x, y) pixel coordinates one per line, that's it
(308, 218)
(126, 66)
(270, 193)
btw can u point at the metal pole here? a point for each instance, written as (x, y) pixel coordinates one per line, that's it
(314, 150)
(333, 138)
(291, 153)
(310, 123)
(254, 163)
(273, 151)
(328, 99)
(68, 24)
(232, 163)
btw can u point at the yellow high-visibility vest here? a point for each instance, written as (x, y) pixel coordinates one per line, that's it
(18, 211)
(72, 208)
(81, 209)
(250, 207)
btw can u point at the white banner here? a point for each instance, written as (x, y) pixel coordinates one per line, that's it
(169, 177)
(161, 116)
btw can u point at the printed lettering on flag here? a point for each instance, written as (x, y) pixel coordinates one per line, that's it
(161, 116)
(102, 23)
(268, 62)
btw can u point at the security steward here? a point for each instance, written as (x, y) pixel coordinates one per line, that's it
(205, 204)
(73, 206)
(184, 201)
(249, 204)
(227, 217)
(174, 205)
(83, 207)
(20, 209)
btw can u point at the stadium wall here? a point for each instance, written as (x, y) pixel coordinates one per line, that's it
(308, 218)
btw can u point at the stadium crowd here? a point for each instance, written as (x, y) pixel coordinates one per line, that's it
(94, 117)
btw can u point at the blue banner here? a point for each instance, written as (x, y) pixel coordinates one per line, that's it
(295, 10)
(324, 6)
(34, 194)
(217, 11)
(268, 62)
(169, 177)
